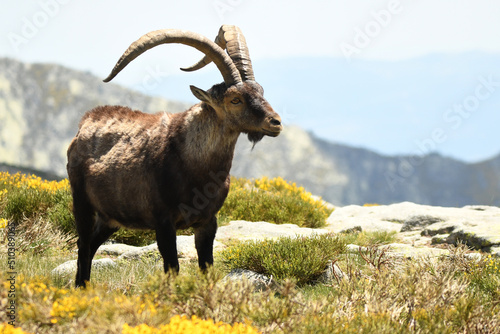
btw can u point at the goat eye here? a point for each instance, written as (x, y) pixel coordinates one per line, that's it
(235, 101)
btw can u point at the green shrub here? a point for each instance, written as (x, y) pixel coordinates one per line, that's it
(134, 237)
(303, 259)
(371, 238)
(61, 212)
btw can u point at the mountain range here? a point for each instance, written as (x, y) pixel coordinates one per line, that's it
(389, 107)
(41, 104)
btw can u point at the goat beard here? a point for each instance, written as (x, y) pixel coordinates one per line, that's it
(255, 137)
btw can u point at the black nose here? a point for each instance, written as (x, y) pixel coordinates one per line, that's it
(275, 121)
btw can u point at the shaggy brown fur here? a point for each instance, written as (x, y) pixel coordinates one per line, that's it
(161, 171)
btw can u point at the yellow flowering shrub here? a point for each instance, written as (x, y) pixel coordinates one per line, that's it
(183, 325)
(19, 180)
(279, 185)
(71, 306)
(28, 196)
(275, 201)
(9, 329)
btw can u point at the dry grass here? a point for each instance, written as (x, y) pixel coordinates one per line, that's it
(378, 295)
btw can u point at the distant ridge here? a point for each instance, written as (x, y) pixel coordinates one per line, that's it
(41, 105)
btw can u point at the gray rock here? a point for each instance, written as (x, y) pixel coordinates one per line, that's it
(331, 274)
(495, 251)
(115, 249)
(187, 249)
(439, 229)
(185, 246)
(140, 252)
(473, 238)
(473, 256)
(351, 248)
(355, 229)
(69, 267)
(405, 251)
(417, 222)
(439, 239)
(258, 281)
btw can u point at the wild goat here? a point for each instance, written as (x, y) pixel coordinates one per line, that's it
(166, 171)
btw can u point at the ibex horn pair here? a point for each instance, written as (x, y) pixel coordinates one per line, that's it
(235, 67)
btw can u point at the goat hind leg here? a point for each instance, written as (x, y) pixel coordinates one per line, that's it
(167, 245)
(101, 233)
(84, 219)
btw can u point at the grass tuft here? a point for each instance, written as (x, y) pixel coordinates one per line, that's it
(302, 259)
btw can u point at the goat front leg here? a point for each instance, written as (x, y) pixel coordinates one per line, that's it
(167, 245)
(204, 236)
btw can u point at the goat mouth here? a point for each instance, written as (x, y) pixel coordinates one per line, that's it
(271, 133)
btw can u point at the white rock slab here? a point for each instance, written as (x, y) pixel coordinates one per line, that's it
(479, 226)
(244, 230)
(115, 249)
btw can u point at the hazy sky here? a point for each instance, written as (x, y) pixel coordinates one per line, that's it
(91, 35)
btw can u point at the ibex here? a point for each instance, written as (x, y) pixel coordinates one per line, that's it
(166, 171)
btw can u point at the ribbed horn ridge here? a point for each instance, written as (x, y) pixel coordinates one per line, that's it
(212, 51)
(231, 38)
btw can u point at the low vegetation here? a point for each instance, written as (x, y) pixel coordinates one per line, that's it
(30, 198)
(377, 294)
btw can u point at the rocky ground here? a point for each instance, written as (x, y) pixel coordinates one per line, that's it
(423, 231)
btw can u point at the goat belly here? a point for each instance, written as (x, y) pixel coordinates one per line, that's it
(201, 205)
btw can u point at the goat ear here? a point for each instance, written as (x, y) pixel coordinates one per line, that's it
(200, 94)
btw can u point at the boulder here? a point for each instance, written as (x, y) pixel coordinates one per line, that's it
(495, 251)
(141, 252)
(331, 274)
(69, 268)
(115, 249)
(185, 249)
(258, 281)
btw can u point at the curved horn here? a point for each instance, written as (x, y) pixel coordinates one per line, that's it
(232, 39)
(210, 49)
